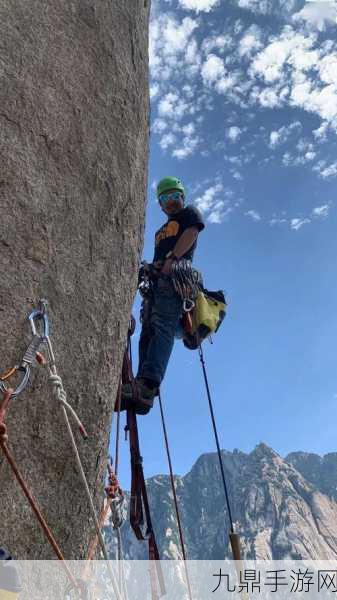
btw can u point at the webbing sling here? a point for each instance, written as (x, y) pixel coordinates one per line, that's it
(139, 504)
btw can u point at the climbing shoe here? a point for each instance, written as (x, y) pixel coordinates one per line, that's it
(144, 402)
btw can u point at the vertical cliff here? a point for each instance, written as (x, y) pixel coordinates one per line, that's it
(74, 112)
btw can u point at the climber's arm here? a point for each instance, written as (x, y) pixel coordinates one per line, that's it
(183, 244)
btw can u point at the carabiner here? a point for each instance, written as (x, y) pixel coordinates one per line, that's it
(25, 368)
(188, 305)
(41, 315)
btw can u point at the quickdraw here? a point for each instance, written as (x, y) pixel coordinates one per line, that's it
(187, 282)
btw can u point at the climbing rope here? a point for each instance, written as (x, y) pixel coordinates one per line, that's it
(20, 479)
(61, 396)
(175, 499)
(234, 537)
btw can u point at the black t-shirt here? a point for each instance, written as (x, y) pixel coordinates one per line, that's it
(167, 236)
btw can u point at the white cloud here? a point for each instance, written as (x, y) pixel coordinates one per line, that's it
(274, 7)
(321, 132)
(250, 42)
(226, 84)
(269, 98)
(170, 45)
(220, 42)
(277, 221)
(318, 15)
(188, 129)
(159, 125)
(166, 105)
(199, 5)
(280, 136)
(321, 211)
(309, 156)
(167, 140)
(154, 90)
(298, 223)
(189, 146)
(253, 214)
(217, 216)
(291, 160)
(233, 133)
(212, 69)
(206, 201)
(172, 105)
(289, 48)
(330, 171)
(215, 203)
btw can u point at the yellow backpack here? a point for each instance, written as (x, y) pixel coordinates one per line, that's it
(205, 318)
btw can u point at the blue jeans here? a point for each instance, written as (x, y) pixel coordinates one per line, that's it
(157, 336)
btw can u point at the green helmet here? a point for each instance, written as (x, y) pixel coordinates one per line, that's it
(169, 183)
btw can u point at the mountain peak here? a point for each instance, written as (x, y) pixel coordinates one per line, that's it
(262, 450)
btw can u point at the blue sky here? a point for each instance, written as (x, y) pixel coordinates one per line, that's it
(244, 111)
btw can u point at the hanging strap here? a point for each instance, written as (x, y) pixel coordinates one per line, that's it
(140, 517)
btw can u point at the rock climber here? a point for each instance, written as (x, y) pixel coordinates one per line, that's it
(175, 240)
(10, 586)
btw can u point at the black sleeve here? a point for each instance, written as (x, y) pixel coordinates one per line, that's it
(193, 218)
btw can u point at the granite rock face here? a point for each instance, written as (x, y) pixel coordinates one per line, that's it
(74, 118)
(321, 471)
(279, 513)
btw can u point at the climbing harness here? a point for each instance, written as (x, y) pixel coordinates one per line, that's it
(202, 312)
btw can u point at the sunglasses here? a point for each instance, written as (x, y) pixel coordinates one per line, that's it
(163, 198)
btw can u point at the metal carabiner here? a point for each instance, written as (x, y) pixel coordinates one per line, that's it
(188, 305)
(41, 315)
(25, 368)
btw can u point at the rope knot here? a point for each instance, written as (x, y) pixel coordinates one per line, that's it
(57, 387)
